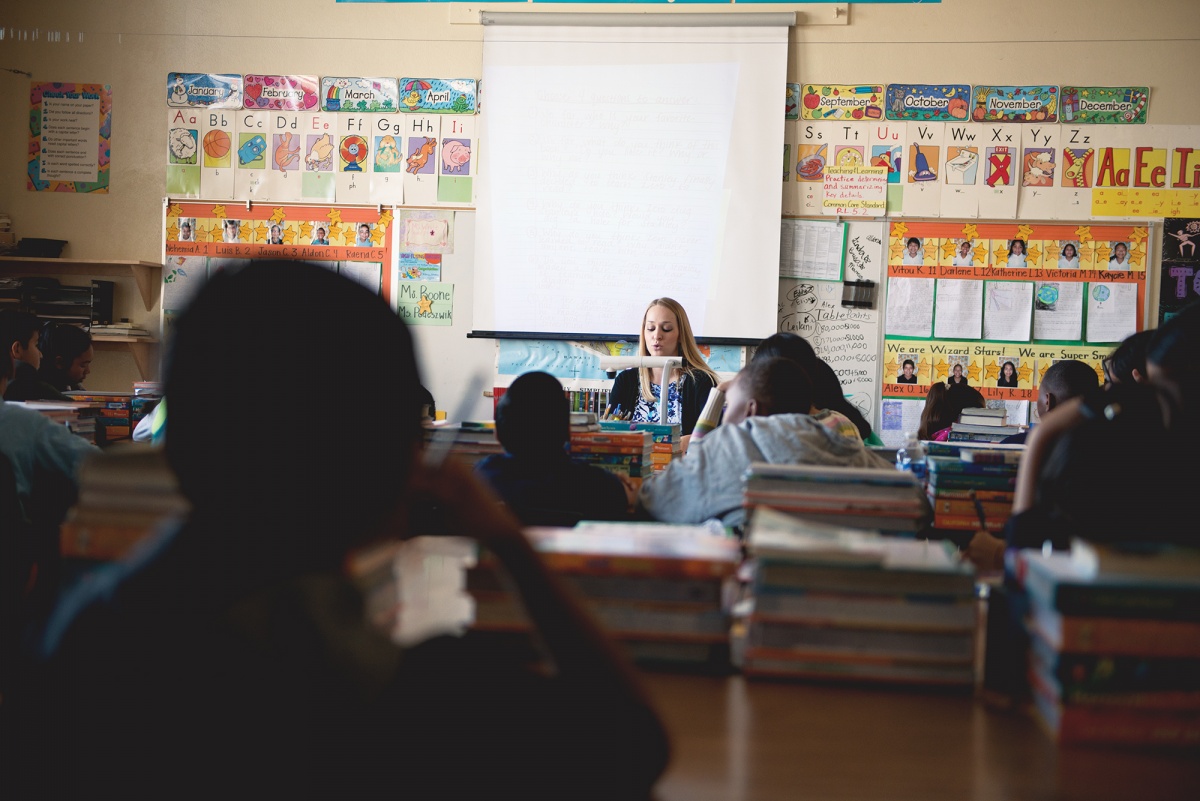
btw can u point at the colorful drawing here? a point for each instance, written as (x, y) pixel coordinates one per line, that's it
(438, 95)
(456, 155)
(999, 169)
(281, 92)
(1038, 167)
(791, 106)
(927, 101)
(251, 150)
(387, 154)
(1105, 105)
(216, 148)
(182, 144)
(886, 156)
(925, 163)
(320, 153)
(1078, 170)
(849, 156)
(360, 94)
(1016, 104)
(420, 266)
(810, 162)
(418, 160)
(842, 102)
(962, 165)
(1184, 233)
(353, 153)
(286, 156)
(203, 90)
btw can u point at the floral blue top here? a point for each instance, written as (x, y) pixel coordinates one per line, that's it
(647, 412)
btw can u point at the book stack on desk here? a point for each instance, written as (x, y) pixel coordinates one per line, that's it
(471, 441)
(79, 418)
(659, 589)
(626, 453)
(124, 495)
(667, 438)
(982, 425)
(888, 500)
(1115, 651)
(970, 483)
(114, 413)
(830, 602)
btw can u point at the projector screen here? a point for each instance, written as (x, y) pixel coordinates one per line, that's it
(625, 164)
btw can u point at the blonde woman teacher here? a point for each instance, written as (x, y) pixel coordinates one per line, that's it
(665, 332)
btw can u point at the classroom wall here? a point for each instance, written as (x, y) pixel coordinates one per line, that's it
(132, 44)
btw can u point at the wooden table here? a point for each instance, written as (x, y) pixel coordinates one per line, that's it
(735, 739)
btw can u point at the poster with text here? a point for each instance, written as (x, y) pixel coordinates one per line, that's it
(70, 125)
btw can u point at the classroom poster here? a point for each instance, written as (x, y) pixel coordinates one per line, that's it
(1049, 292)
(203, 238)
(456, 167)
(183, 152)
(419, 166)
(204, 90)
(1179, 280)
(69, 129)
(387, 159)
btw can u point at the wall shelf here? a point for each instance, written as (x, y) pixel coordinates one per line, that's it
(147, 274)
(140, 347)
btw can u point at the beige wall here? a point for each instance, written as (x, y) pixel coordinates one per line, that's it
(133, 44)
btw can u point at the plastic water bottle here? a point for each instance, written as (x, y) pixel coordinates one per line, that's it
(912, 456)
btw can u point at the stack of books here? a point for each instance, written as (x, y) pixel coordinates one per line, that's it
(626, 453)
(584, 421)
(667, 438)
(972, 487)
(79, 418)
(661, 590)
(829, 602)
(113, 413)
(982, 425)
(1115, 651)
(119, 331)
(470, 442)
(888, 500)
(124, 495)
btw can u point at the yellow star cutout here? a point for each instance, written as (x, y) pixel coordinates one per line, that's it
(201, 233)
(930, 249)
(173, 232)
(1042, 368)
(306, 230)
(981, 253)
(941, 368)
(1102, 254)
(1085, 253)
(335, 231)
(278, 215)
(896, 248)
(385, 219)
(425, 305)
(1001, 252)
(1137, 236)
(244, 232)
(1024, 232)
(973, 371)
(1034, 256)
(173, 211)
(289, 236)
(1024, 372)
(377, 236)
(890, 366)
(1084, 233)
(948, 248)
(219, 212)
(899, 230)
(970, 231)
(1099, 372)
(335, 216)
(991, 371)
(260, 232)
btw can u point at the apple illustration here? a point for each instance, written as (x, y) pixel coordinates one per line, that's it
(858, 114)
(811, 101)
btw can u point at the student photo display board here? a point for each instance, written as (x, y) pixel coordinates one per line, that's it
(998, 303)
(205, 238)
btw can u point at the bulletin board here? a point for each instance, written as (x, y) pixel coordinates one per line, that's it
(998, 303)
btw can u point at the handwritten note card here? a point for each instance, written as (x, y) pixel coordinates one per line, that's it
(855, 190)
(809, 249)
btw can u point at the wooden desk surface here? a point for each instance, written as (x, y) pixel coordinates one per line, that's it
(738, 740)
